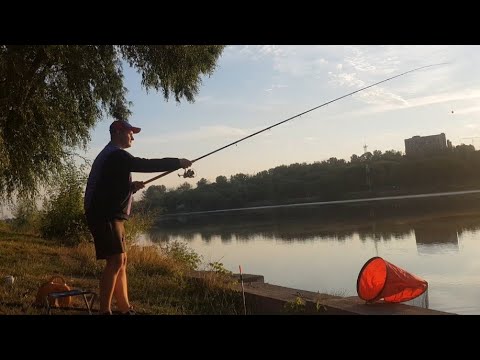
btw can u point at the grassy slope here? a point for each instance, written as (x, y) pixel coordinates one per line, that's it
(157, 282)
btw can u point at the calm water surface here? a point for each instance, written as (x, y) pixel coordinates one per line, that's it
(322, 249)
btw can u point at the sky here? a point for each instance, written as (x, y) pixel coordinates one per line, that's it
(255, 86)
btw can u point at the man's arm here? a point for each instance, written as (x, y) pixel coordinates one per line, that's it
(131, 163)
(137, 164)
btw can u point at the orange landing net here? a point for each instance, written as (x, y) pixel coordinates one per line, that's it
(380, 279)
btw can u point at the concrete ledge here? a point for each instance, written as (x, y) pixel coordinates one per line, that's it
(249, 278)
(272, 299)
(267, 299)
(357, 306)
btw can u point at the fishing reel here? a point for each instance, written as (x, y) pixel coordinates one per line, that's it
(189, 173)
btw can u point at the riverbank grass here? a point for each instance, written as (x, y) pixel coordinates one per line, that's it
(159, 281)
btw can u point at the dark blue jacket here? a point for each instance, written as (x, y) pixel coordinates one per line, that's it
(108, 194)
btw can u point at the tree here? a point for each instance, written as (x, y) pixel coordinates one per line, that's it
(154, 193)
(51, 96)
(365, 157)
(335, 162)
(354, 159)
(184, 187)
(239, 178)
(221, 180)
(464, 149)
(202, 182)
(392, 155)
(377, 155)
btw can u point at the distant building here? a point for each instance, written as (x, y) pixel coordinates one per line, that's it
(425, 145)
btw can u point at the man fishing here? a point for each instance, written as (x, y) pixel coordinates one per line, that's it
(107, 203)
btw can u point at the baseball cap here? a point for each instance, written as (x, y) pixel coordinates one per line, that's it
(123, 125)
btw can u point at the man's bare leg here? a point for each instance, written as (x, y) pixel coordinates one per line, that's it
(108, 281)
(120, 291)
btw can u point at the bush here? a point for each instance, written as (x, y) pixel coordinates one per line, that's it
(140, 222)
(63, 216)
(181, 252)
(27, 218)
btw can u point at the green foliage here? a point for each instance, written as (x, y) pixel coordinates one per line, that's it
(27, 218)
(152, 200)
(221, 180)
(219, 268)
(295, 306)
(184, 187)
(155, 192)
(464, 149)
(51, 96)
(202, 182)
(140, 222)
(320, 307)
(181, 252)
(63, 216)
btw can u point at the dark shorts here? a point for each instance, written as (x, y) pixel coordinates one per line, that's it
(108, 236)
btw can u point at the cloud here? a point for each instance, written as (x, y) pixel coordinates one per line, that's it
(307, 64)
(382, 97)
(375, 95)
(353, 66)
(204, 99)
(391, 102)
(370, 60)
(369, 64)
(468, 110)
(299, 60)
(385, 60)
(349, 65)
(257, 52)
(345, 79)
(466, 94)
(273, 50)
(275, 86)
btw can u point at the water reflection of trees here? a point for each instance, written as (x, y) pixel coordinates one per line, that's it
(382, 222)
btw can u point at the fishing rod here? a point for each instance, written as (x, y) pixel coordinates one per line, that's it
(190, 173)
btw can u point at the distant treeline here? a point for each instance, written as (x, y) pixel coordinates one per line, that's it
(371, 174)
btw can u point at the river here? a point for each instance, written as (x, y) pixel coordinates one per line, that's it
(322, 247)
